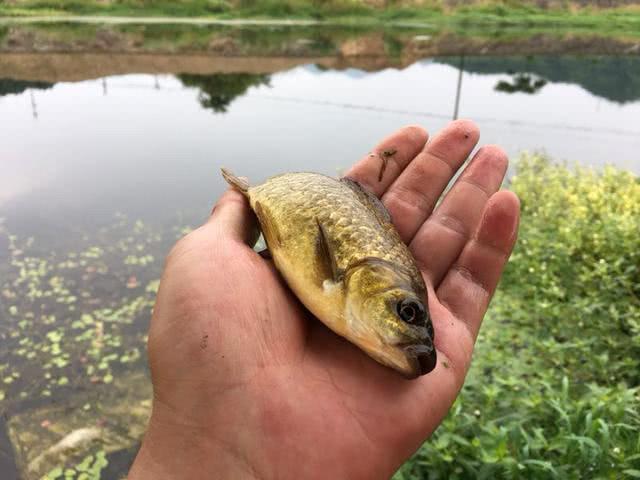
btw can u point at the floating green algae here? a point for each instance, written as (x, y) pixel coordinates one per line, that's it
(73, 327)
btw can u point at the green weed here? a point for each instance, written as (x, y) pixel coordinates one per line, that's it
(494, 12)
(553, 391)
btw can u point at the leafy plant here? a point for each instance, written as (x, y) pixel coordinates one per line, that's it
(553, 391)
(89, 468)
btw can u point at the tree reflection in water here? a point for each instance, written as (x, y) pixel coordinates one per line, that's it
(613, 77)
(521, 82)
(9, 86)
(217, 91)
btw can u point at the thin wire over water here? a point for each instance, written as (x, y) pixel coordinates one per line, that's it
(418, 113)
(396, 111)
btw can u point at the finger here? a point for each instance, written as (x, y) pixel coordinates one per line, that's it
(233, 218)
(471, 282)
(412, 197)
(442, 237)
(401, 147)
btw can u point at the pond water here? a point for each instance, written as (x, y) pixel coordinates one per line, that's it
(101, 175)
(151, 146)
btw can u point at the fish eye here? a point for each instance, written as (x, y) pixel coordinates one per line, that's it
(411, 311)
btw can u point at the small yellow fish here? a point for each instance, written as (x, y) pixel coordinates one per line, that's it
(335, 245)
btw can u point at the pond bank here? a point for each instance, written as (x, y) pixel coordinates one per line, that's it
(111, 20)
(616, 23)
(612, 15)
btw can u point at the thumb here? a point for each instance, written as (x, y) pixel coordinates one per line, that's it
(233, 218)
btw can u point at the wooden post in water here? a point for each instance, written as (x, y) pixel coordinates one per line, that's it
(34, 107)
(459, 87)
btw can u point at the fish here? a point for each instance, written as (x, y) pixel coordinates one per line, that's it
(337, 249)
(74, 440)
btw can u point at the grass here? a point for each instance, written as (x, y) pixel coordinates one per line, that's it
(554, 387)
(490, 12)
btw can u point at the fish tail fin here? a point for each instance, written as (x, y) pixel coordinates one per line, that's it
(238, 183)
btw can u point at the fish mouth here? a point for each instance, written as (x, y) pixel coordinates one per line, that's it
(424, 357)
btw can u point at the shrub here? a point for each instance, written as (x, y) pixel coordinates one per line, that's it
(553, 391)
(577, 267)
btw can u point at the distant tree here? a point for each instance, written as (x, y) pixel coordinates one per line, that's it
(9, 86)
(217, 91)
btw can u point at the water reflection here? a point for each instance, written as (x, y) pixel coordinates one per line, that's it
(145, 145)
(521, 82)
(615, 78)
(219, 90)
(9, 86)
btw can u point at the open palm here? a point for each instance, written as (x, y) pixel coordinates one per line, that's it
(248, 384)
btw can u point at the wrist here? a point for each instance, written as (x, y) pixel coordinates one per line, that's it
(171, 450)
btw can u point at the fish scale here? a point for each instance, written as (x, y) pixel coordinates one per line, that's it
(301, 197)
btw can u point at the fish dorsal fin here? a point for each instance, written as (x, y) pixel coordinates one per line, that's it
(369, 200)
(327, 254)
(238, 183)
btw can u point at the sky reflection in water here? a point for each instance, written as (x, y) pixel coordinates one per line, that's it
(145, 146)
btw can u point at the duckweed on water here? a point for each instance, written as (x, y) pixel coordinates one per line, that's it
(69, 312)
(74, 325)
(89, 468)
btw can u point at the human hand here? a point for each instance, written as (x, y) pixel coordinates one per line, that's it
(248, 384)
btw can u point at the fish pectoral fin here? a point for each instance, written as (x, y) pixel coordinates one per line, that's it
(269, 229)
(326, 254)
(265, 253)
